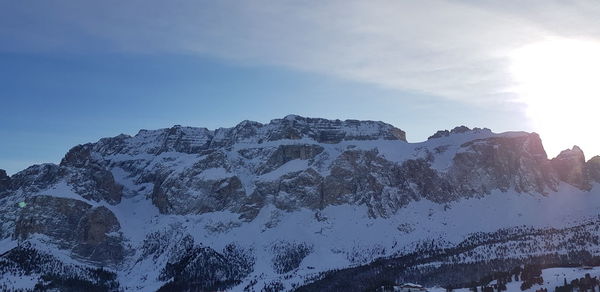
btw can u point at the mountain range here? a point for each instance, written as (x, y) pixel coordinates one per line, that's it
(304, 204)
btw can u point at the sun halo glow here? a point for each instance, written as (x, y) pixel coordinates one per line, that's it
(559, 81)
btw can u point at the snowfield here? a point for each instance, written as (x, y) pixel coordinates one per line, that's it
(553, 277)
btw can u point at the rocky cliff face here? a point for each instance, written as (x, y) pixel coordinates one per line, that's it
(571, 167)
(593, 168)
(257, 172)
(92, 233)
(298, 162)
(504, 163)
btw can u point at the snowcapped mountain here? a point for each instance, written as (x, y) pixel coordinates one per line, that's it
(298, 203)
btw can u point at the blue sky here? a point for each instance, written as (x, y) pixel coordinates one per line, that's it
(52, 102)
(75, 71)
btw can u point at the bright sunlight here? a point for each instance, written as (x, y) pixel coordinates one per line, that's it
(559, 80)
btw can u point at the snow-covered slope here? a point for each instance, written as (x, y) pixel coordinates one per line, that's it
(274, 206)
(551, 279)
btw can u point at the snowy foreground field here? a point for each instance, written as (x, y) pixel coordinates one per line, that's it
(553, 278)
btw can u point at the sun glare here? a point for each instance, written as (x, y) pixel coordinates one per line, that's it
(559, 81)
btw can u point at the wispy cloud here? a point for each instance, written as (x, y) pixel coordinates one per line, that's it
(452, 49)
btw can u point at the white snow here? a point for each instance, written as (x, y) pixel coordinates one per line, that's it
(215, 173)
(19, 281)
(553, 277)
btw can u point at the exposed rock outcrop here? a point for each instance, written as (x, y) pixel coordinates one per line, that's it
(36, 178)
(593, 168)
(286, 153)
(503, 163)
(331, 131)
(456, 130)
(55, 217)
(89, 177)
(95, 184)
(571, 168)
(186, 194)
(97, 236)
(90, 232)
(192, 140)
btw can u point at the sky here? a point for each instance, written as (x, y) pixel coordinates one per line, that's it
(74, 71)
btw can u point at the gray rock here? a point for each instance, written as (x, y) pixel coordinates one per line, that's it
(198, 140)
(516, 162)
(301, 189)
(571, 168)
(439, 134)
(36, 177)
(354, 175)
(593, 168)
(95, 184)
(331, 131)
(460, 129)
(503, 163)
(97, 238)
(456, 130)
(72, 224)
(418, 180)
(183, 139)
(185, 194)
(89, 177)
(55, 217)
(286, 153)
(364, 177)
(79, 156)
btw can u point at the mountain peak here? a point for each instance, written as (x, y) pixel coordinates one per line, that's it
(571, 167)
(457, 130)
(332, 131)
(574, 153)
(292, 127)
(292, 117)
